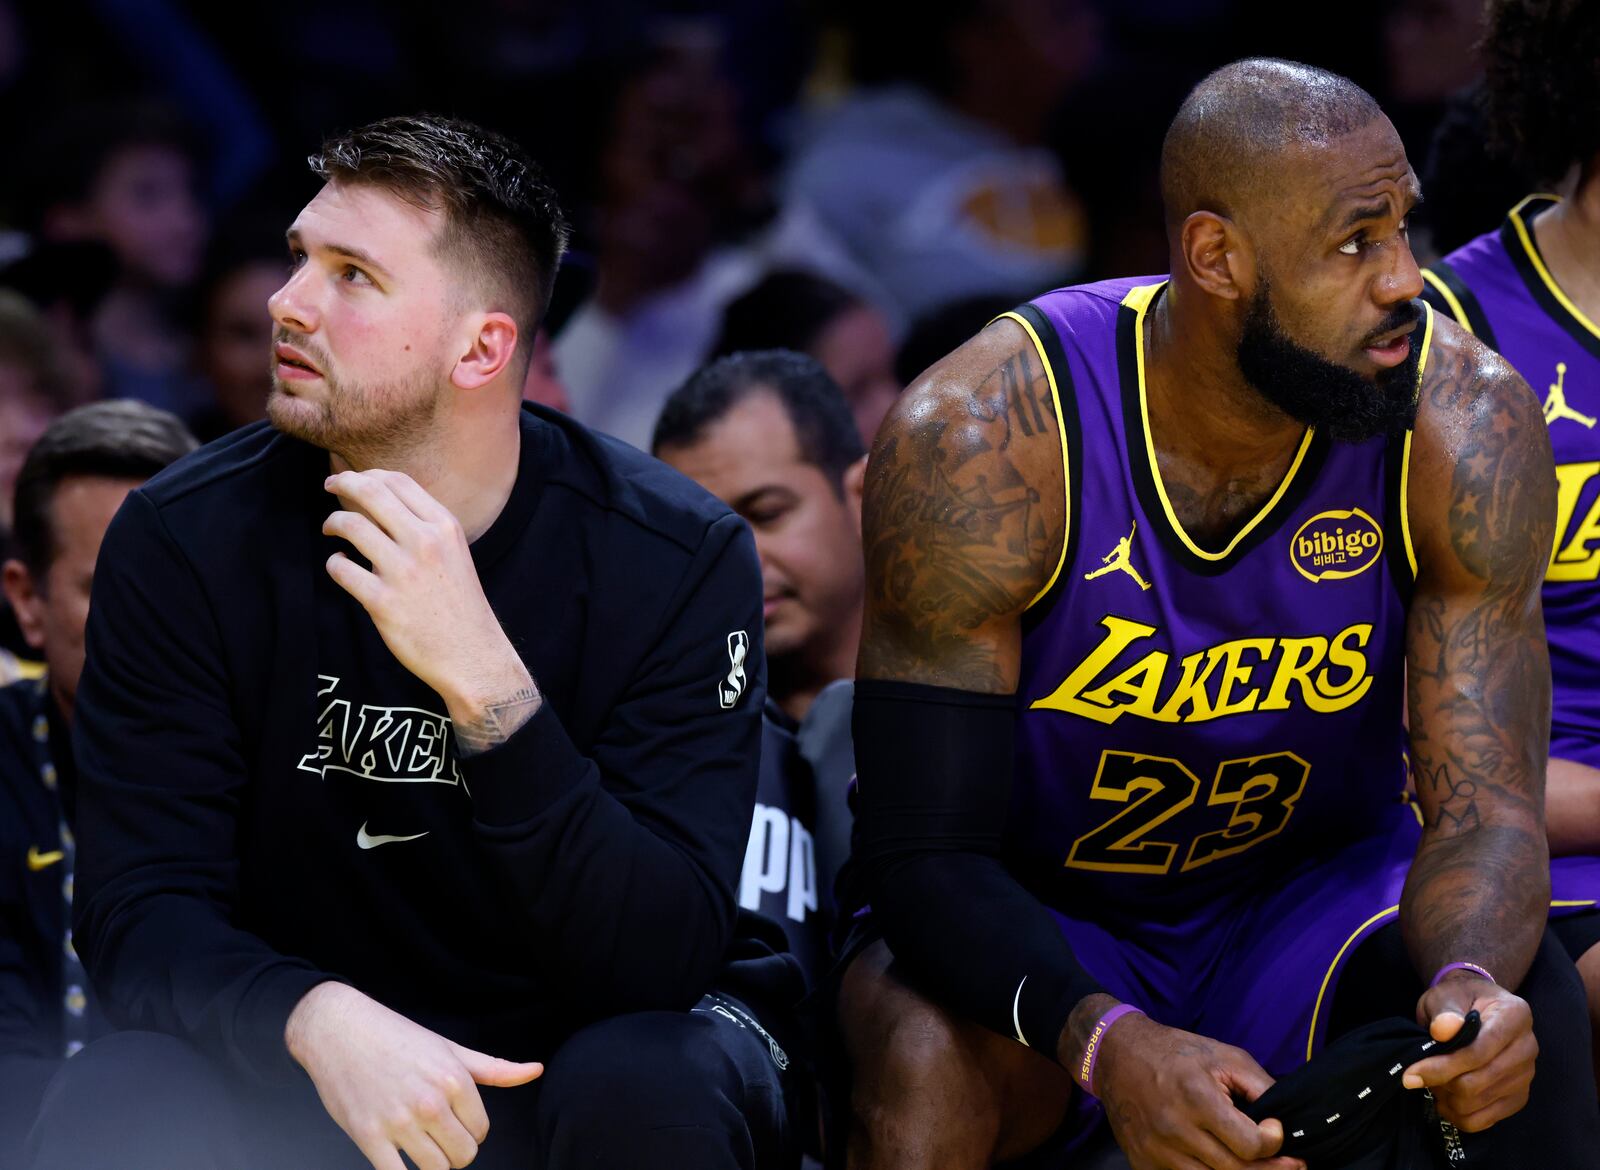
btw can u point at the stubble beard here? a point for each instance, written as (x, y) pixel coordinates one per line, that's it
(365, 427)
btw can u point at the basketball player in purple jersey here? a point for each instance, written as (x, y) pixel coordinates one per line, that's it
(1149, 562)
(1531, 290)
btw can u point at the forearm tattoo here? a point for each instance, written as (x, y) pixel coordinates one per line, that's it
(497, 722)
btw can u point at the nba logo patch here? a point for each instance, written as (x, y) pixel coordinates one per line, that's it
(729, 690)
(1334, 545)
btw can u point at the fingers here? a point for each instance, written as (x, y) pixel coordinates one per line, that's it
(452, 1137)
(359, 583)
(424, 1152)
(415, 497)
(382, 1154)
(371, 493)
(1241, 1076)
(365, 536)
(1492, 1093)
(1504, 1025)
(467, 1105)
(491, 1070)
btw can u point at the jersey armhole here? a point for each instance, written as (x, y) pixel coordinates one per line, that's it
(1447, 292)
(1063, 402)
(1400, 471)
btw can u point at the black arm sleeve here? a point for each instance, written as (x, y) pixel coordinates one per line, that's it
(626, 860)
(934, 768)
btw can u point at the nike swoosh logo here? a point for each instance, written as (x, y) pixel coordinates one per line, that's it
(1016, 1022)
(38, 861)
(367, 841)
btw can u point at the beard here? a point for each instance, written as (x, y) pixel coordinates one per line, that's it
(1323, 394)
(358, 422)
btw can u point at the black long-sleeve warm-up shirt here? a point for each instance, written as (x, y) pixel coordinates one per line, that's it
(268, 799)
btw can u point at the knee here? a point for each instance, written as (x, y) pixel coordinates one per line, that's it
(919, 1095)
(648, 1089)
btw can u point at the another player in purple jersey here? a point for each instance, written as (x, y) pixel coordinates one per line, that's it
(1531, 290)
(1149, 563)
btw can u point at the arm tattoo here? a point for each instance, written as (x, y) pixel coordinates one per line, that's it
(1479, 682)
(497, 722)
(955, 531)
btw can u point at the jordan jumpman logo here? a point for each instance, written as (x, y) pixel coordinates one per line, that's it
(1117, 558)
(1555, 406)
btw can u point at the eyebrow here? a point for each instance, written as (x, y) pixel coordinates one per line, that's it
(1370, 211)
(345, 250)
(754, 496)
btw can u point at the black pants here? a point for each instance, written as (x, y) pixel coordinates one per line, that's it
(1560, 1127)
(657, 1089)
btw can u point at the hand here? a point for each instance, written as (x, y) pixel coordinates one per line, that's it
(424, 596)
(393, 1086)
(1488, 1080)
(1169, 1097)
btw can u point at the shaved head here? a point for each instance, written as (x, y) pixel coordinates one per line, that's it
(1243, 123)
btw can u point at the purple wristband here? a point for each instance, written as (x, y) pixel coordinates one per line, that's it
(1091, 1050)
(1449, 967)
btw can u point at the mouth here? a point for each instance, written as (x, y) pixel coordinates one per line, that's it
(1391, 348)
(768, 604)
(292, 365)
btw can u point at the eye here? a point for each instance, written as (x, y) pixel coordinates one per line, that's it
(350, 274)
(1352, 247)
(296, 258)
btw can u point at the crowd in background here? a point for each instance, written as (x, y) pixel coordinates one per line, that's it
(812, 174)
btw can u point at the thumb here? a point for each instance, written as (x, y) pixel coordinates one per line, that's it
(1272, 1134)
(1242, 1077)
(491, 1070)
(1446, 1024)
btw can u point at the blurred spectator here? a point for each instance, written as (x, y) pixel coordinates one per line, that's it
(123, 175)
(769, 433)
(939, 332)
(543, 382)
(1469, 186)
(34, 389)
(1430, 54)
(234, 343)
(812, 315)
(677, 192)
(67, 283)
(74, 479)
(935, 181)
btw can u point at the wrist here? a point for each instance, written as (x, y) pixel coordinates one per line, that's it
(1080, 1026)
(1460, 970)
(304, 1020)
(468, 701)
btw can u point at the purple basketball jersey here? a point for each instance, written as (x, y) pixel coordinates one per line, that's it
(1209, 741)
(1499, 287)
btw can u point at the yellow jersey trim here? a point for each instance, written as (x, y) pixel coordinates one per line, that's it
(1066, 459)
(1405, 450)
(1139, 300)
(1563, 903)
(1537, 260)
(1316, 1011)
(1450, 298)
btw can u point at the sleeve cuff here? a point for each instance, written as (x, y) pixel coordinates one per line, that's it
(522, 777)
(259, 1040)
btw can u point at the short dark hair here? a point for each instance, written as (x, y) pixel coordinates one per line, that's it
(1542, 83)
(121, 439)
(502, 219)
(784, 310)
(1241, 118)
(824, 428)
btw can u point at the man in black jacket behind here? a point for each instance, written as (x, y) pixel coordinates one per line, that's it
(418, 741)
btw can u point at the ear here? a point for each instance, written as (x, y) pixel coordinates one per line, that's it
(1216, 255)
(27, 601)
(489, 351)
(855, 485)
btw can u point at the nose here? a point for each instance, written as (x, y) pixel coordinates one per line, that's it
(291, 308)
(1403, 281)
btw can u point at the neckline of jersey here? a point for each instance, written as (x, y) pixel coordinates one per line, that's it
(1140, 299)
(1523, 246)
